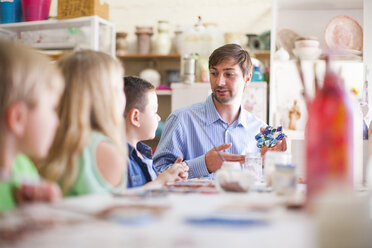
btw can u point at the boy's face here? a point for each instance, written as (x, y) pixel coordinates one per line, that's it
(149, 118)
(41, 125)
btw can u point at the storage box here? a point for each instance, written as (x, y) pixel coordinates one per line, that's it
(78, 8)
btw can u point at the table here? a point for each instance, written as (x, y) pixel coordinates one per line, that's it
(171, 220)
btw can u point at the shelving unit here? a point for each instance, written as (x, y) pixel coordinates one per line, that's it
(150, 56)
(164, 92)
(90, 32)
(263, 56)
(135, 63)
(314, 16)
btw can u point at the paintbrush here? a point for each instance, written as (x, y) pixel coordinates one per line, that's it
(206, 134)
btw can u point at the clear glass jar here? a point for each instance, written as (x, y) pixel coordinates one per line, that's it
(284, 179)
(271, 159)
(253, 163)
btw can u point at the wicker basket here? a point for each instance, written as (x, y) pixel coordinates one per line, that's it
(77, 8)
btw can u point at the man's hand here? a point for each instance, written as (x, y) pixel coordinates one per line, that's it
(214, 161)
(281, 146)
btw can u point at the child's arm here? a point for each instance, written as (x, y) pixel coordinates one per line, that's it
(110, 163)
(39, 191)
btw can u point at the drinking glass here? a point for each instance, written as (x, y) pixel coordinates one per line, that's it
(253, 163)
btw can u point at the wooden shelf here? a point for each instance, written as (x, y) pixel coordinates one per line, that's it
(54, 55)
(150, 56)
(163, 92)
(260, 54)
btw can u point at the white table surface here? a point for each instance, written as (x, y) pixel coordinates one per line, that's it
(283, 228)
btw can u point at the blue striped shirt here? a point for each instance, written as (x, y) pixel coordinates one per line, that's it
(182, 136)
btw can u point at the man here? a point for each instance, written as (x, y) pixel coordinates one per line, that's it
(192, 132)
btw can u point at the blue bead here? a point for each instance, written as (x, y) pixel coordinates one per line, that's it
(273, 143)
(258, 136)
(260, 143)
(280, 136)
(269, 136)
(266, 131)
(279, 129)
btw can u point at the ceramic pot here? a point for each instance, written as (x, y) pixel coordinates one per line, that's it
(254, 42)
(163, 42)
(121, 44)
(144, 34)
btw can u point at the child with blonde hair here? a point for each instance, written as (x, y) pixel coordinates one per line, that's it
(30, 90)
(141, 122)
(88, 153)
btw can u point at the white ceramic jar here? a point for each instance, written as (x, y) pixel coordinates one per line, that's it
(163, 42)
(271, 159)
(152, 76)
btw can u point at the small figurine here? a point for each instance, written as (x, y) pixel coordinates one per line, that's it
(294, 114)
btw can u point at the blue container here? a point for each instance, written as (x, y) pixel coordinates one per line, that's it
(10, 11)
(257, 75)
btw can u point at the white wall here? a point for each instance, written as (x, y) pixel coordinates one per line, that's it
(246, 16)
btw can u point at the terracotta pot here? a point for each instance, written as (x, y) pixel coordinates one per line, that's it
(144, 34)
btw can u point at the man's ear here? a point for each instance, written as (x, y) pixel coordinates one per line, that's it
(16, 118)
(247, 79)
(134, 117)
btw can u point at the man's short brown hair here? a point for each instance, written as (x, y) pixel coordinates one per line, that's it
(232, 52)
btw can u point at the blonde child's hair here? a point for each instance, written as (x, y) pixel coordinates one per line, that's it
(88, 103)
(24, 76)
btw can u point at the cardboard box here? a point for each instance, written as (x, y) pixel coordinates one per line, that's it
(78, 8)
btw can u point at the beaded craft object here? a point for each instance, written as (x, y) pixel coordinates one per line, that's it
(269, 137)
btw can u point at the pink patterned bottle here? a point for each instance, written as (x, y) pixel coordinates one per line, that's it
(329, 136)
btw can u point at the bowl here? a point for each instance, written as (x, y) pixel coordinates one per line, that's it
(307, 52)
(306, 43)
(232, 178)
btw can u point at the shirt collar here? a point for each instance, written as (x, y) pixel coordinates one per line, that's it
(144, 149)
(212, 114)
(244, 117)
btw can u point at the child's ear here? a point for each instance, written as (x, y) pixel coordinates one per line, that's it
(16, 118)
(134, 117)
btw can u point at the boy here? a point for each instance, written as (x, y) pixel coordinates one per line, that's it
(30, 90)
(141, 121)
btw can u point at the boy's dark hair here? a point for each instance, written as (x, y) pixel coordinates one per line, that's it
(135, 89)
(232, 51)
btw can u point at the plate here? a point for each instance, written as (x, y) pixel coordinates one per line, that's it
(344, 32)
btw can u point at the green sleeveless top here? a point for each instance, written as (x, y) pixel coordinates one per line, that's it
(23, 170)
(89, 179)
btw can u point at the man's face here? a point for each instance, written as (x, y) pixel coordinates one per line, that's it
(227, 82)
